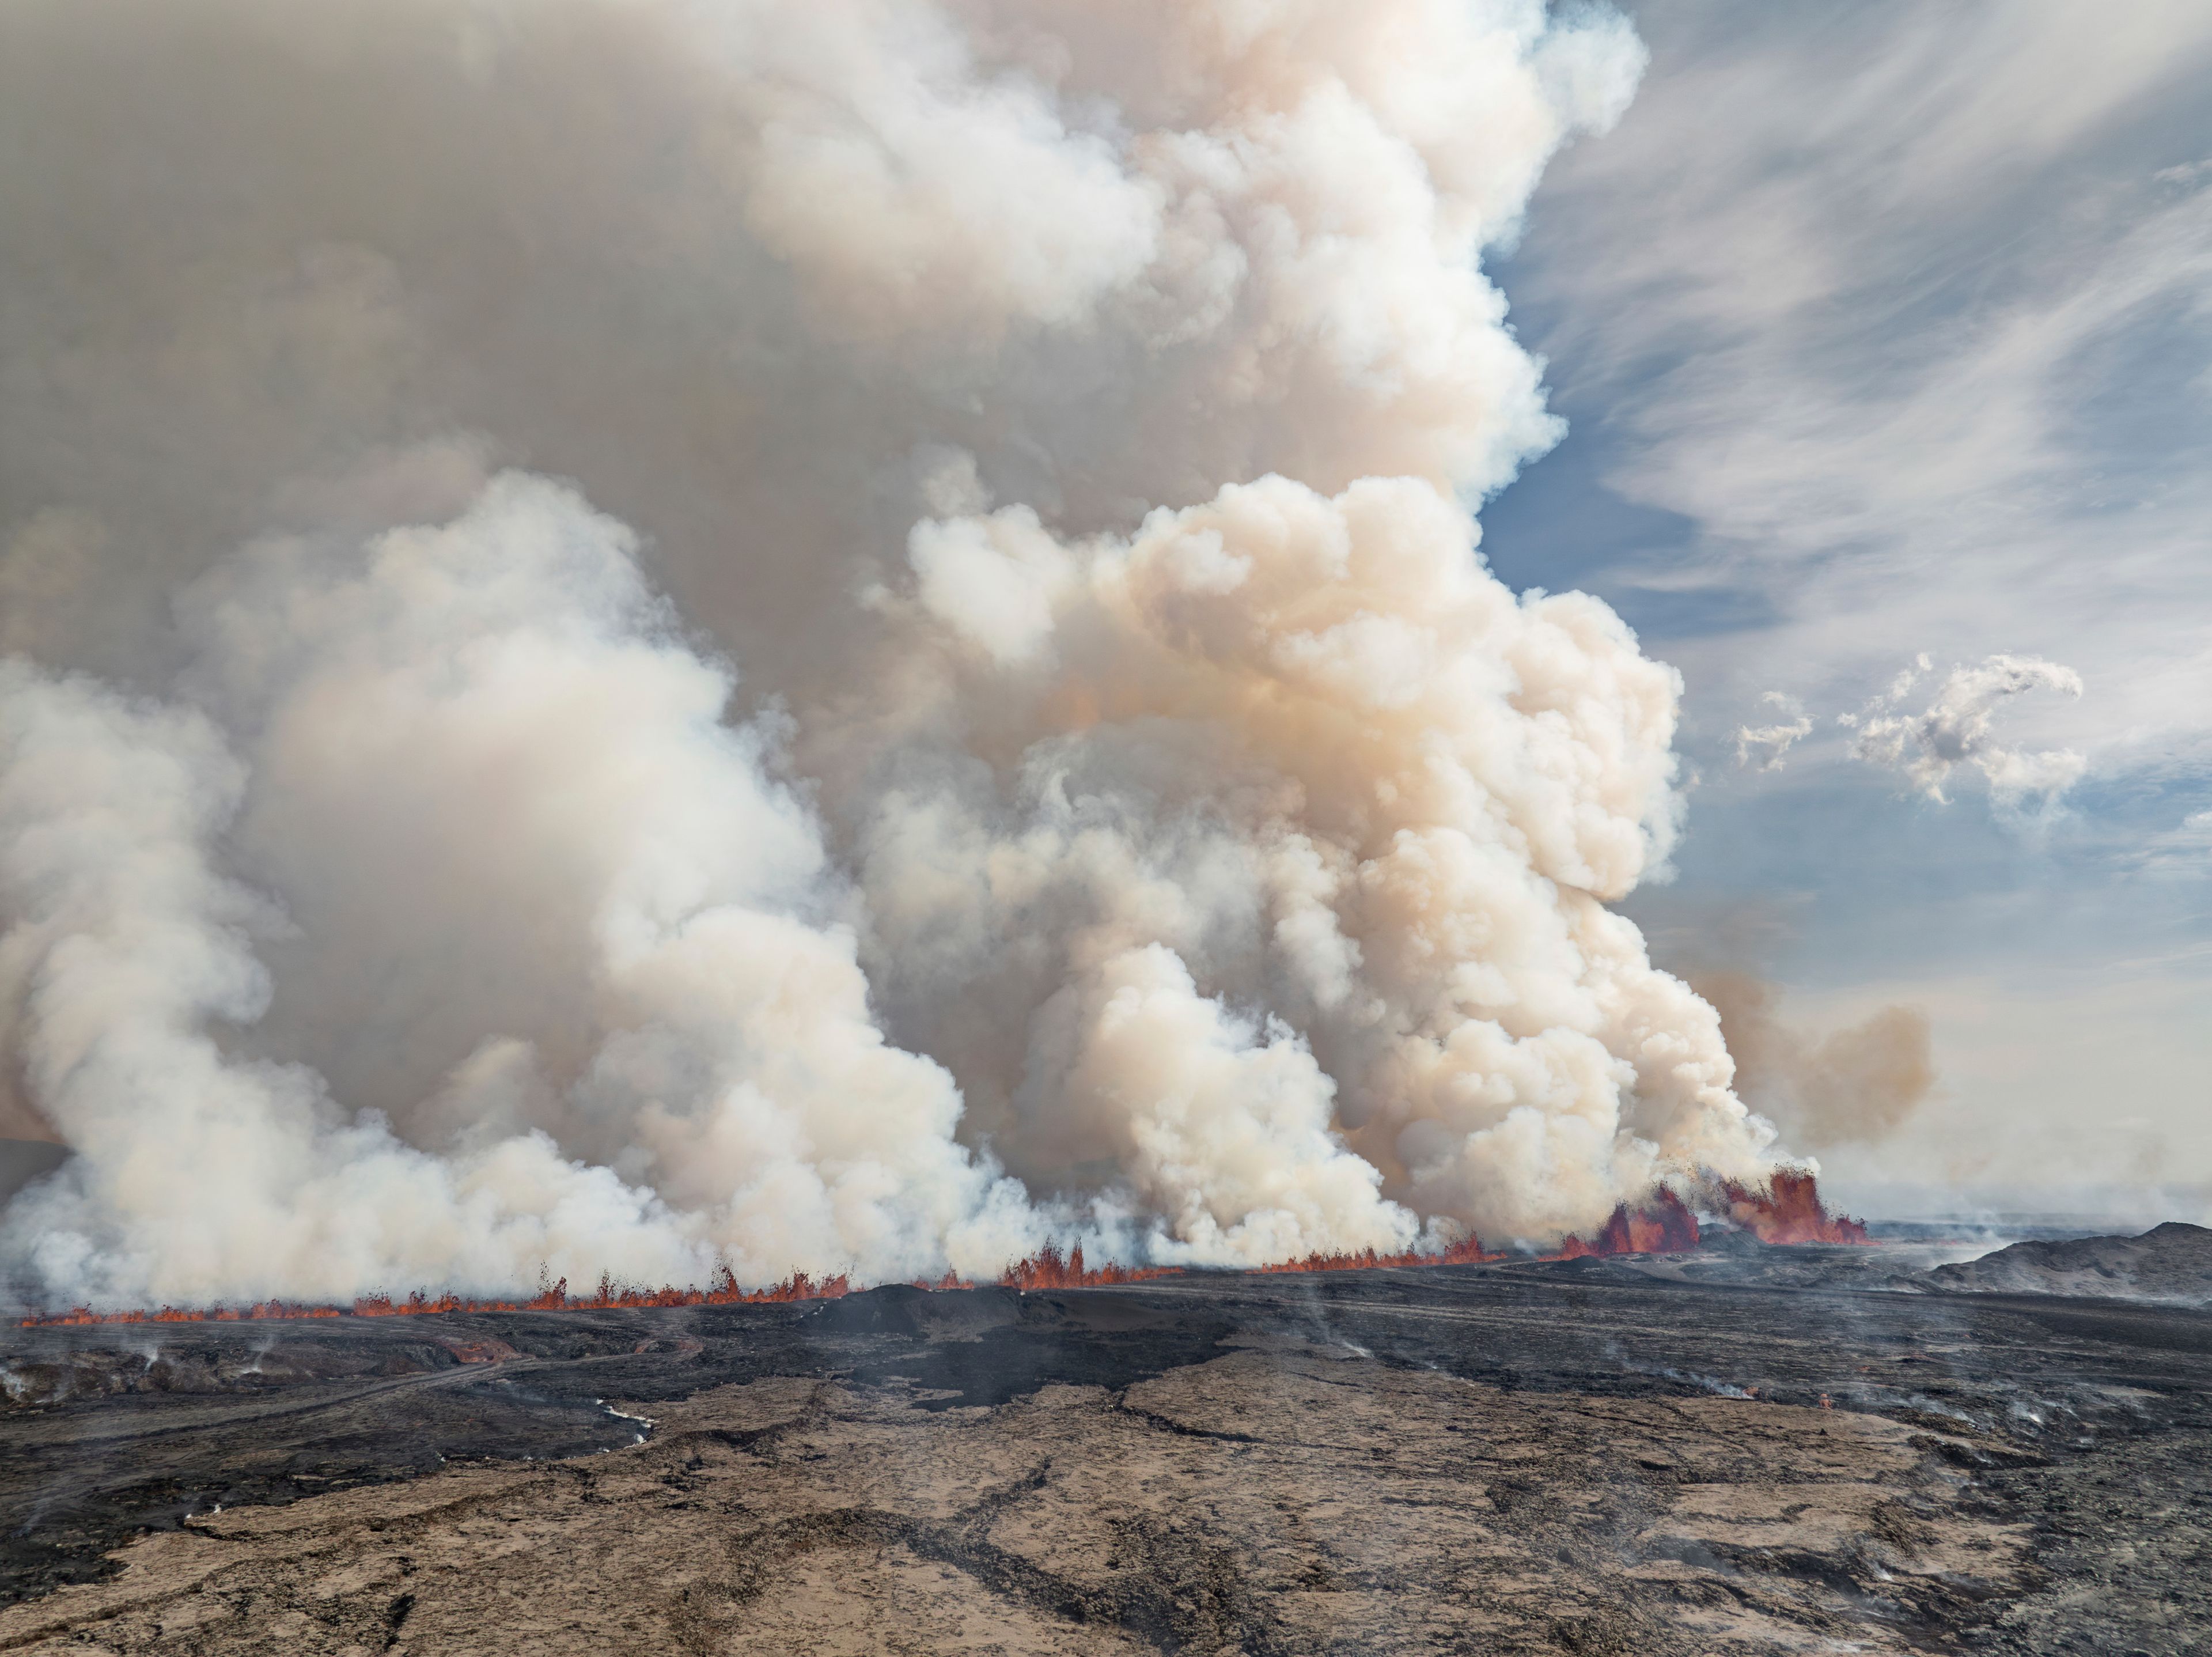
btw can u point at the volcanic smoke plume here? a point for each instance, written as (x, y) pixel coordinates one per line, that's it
(1859, 1083)
(825, 637)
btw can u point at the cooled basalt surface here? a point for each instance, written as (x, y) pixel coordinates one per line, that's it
(1601, 1457)
(2172, 1262)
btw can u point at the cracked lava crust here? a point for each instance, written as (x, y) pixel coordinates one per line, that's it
(1587, 1457)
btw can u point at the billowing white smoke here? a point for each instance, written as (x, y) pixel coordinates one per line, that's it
(1314, 749)
(475, 751)
(431, 900)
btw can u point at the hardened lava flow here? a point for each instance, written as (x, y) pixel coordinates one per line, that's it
(1732, 1448)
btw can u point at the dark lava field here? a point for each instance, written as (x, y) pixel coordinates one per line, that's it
(1743, 1450)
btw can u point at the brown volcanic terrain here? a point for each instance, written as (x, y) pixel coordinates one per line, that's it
(1530, 1459)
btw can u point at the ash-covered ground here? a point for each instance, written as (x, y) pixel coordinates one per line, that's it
(1741, 1450)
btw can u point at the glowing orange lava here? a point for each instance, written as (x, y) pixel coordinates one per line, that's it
(1791, 1211)
(1788, 1211)
(608, 1295)
(1465, 1253)
(1046, 1268)
(1663, 1225)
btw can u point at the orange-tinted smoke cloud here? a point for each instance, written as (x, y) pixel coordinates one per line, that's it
(1854, 1085)
(835, 639)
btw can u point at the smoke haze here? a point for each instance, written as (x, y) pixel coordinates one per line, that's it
(641, 634)
(1856, 1085)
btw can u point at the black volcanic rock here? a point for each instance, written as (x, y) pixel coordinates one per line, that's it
(2172, 1262)
(1537, 1459)
(902, 1309)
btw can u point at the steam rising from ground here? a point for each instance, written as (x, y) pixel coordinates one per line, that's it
(983, 798)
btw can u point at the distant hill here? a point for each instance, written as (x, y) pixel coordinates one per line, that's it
(2172, 1262)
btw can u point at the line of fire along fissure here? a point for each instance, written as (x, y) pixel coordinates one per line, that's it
(1790, 1212)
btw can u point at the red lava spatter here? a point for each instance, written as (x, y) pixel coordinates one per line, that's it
(609, 1294)
(1789, 1212)
(1664, 1225)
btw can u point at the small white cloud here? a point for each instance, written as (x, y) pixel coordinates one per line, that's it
(1955, 730)
(1762, 747)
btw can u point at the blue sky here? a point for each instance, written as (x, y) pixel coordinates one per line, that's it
(1881, 331)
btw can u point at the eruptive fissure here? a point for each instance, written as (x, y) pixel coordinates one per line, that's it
(1786, 1212)
(1790, 1212)
(1662, 1225)
(422, 1303)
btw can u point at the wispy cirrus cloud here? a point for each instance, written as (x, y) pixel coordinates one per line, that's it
(1901, 320)
(2186, 849)
(1884, 329)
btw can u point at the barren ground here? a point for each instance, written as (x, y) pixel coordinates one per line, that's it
(1520, 1460)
